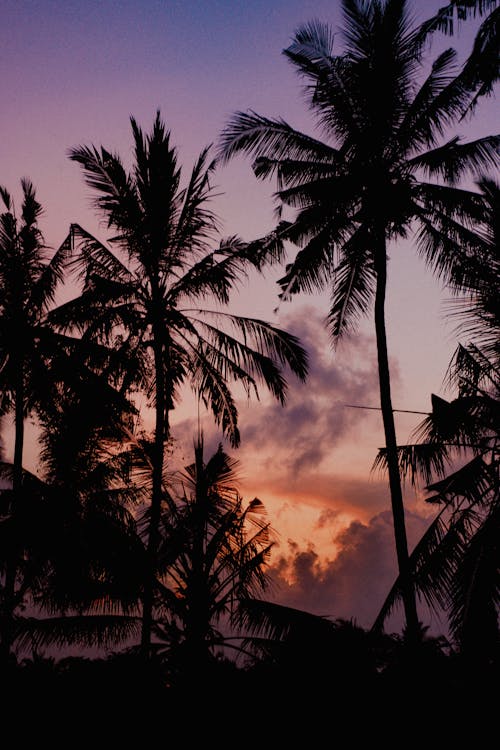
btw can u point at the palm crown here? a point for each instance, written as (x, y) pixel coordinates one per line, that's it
(382, 170)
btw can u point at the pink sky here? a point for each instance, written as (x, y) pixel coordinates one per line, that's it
(73, 71)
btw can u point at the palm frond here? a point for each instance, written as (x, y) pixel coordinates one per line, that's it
(105, 174)
(434, 560)
(418, 461)
(453, 14)
(95, 631)
(473, 482)
(259, 136)
(353, 286)
(94, 258)
(196, 223)
(475, 591)
(276, 622)
(44, 290)
(258, 337)
(454, 160)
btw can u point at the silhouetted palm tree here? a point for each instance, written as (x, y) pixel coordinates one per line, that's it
(34, 359)
(457, 562)
(146, 297)
(212, 559)
(368, 184)
(81, 562)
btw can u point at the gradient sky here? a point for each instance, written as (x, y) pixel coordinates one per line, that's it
(72, 73)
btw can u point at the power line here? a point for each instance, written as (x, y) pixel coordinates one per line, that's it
(377, 408)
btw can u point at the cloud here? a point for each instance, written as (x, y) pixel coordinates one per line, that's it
(310, 463)
(300, 437)
(355, 583)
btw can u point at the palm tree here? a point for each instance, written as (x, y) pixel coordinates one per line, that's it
(379, 176)
(34, 358)
(212, 559)
(145, 297)
(80, 561)
(456, 564)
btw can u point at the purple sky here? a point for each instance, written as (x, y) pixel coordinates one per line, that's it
(72, 73)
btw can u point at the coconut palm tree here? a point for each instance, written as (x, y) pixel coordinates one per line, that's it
(456, 564)
(380, 175)
(34, 358)
(80, 562)
(212, 559)
(147, 296)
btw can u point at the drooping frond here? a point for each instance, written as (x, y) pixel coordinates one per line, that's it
(470, 370)
(276, 622)
(475, 590)
(44, 290)
(417, 462)
(84, 630)
(425, 550)
(481, 69)
(257, 336)
(450, 16)
(474, 482)
(454, 160)
(353, 285)
(259, 136)
(94, 258)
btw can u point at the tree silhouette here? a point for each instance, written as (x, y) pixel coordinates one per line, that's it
(82, 563)
(379, 176)
(34, 361)
(144, 299)
(212, 559)
(457, 563)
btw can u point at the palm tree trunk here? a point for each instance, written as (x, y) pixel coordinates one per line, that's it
(398, 514)
(17, 480)
(156, 496)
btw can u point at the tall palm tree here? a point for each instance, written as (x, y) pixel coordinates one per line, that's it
(456, 564)
(144, 297)
(379, 176)
(34, 358)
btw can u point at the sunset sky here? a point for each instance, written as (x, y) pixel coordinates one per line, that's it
(73, 72)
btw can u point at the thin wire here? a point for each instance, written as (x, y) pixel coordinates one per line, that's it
(377, 408)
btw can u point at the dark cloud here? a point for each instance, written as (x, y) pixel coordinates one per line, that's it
(355, 583)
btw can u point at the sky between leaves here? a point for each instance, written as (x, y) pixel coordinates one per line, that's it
(73, 72)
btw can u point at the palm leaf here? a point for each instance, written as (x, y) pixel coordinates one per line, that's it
(454, 160)
(260, 136)
(475, 591)
(94, 631)
(434, 561)
(418, 460)
(276, 622)
(93, 258)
